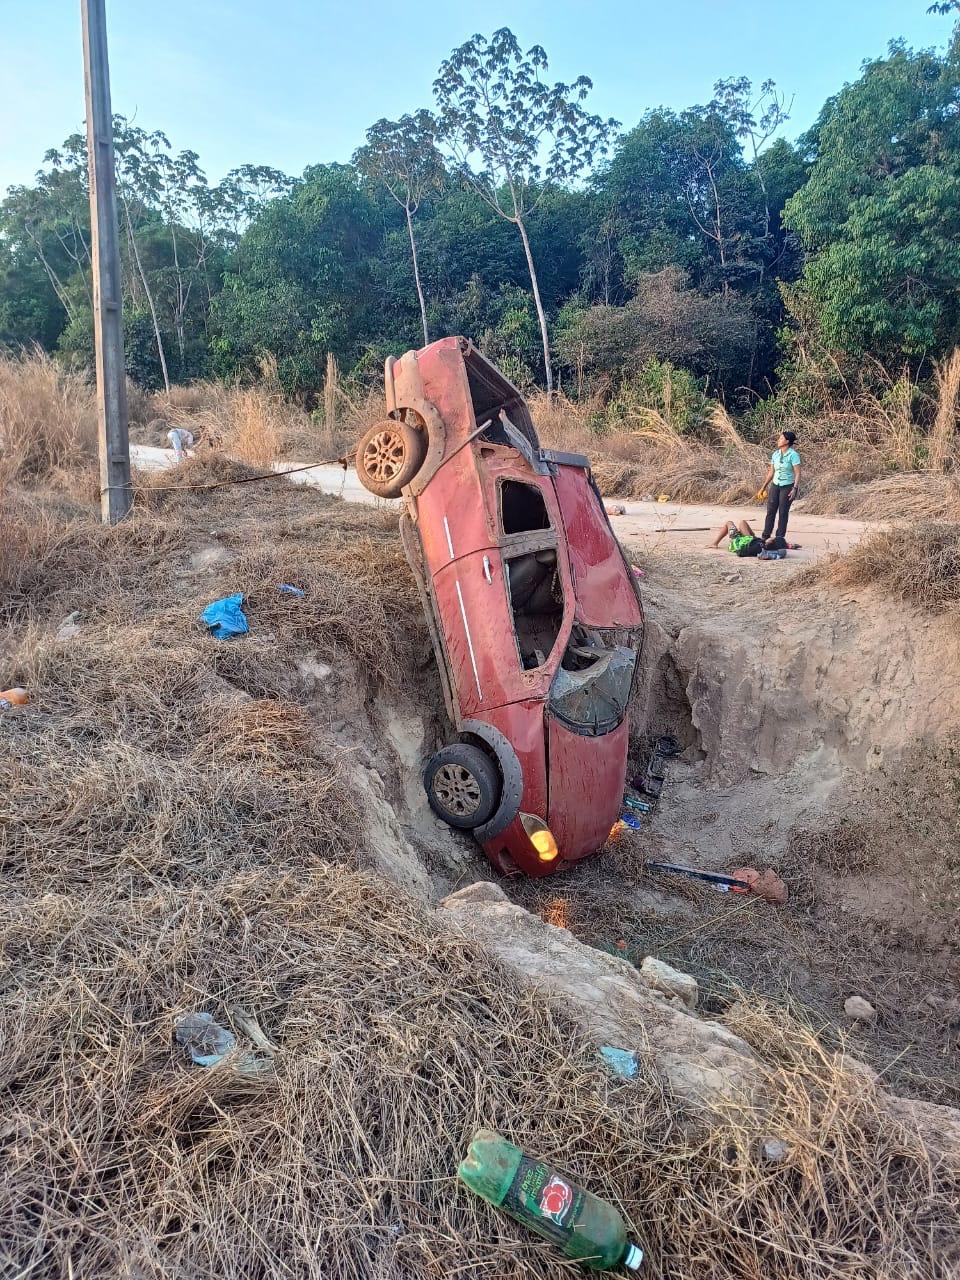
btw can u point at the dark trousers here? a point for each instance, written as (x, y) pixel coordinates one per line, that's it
(778, 508)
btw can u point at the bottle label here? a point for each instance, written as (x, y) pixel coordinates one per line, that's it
(544, 1200)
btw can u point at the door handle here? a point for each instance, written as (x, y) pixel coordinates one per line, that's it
(487, 572)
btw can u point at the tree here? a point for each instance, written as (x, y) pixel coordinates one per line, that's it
(302, 283)
(524, 136)
(733, 101)
(879, 216)
(401, 154)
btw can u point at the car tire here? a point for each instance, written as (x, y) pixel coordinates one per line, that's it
(389, 455)
(462, 785)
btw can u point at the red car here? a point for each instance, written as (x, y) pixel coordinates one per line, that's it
(533, 609)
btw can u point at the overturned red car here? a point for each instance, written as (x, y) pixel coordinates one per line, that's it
(533, 610)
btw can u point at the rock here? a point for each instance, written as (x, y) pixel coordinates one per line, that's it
(701, 1061)
(671, 982)
(859, 1010)
(733, 577)
(774, 1150)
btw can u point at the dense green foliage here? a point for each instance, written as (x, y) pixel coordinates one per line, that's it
(702, 241)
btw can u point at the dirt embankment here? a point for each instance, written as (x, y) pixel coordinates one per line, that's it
(240, 828)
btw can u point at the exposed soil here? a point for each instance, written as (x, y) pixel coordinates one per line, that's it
(820, 738)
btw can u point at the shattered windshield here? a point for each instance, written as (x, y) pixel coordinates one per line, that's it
(591, 690)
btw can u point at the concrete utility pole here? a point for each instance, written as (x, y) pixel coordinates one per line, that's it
(115, 492)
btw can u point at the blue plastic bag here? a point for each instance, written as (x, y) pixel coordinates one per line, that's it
(620, 1061)
(226, 618)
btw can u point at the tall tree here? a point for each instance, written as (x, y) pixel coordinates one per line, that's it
(402, 155)
(880, 214)
(512, 137)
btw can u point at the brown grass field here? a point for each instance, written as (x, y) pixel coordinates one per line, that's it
(179, 830)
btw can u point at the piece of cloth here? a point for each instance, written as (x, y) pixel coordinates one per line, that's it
(181, 440)
(226, 618)
(778, 509)
(745, 545)
(773, 553)
(783, 462)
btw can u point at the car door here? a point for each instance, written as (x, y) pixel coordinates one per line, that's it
(472, 603)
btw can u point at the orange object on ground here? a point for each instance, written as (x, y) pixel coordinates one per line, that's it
(766, 885)
(14, 697)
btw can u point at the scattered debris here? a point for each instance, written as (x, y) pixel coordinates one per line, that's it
(70, 626)
(622, 1062)
(587, 1229)
(732, 578)
(737, 883)
(766, 884)
(771, 888)
(774, 1150)
(251, 1028)
(662, 977)
(615, 508)
(13, 698)
(651, 781)
(289, 590)
(859, 1010)
(203, 1038)
(641, 806)
(225, 618)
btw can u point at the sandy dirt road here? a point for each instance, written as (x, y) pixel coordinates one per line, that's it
(646, 526)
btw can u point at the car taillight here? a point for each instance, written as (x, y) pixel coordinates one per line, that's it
(541, 837)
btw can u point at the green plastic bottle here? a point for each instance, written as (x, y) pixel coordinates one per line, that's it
(586, 1229)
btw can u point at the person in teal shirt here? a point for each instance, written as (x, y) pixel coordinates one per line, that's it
(782, 483)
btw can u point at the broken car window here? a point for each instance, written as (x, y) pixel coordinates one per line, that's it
(522, 508)
(591, 690)
(536, 601)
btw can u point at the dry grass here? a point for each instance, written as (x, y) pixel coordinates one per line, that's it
(943, 433)
(256, 423)
(178, 831)
(48, 422)
(916, 563)
(393, 1042)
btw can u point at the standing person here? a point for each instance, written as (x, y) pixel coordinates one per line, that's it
(782, 483)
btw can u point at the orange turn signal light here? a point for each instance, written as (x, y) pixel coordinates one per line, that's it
(541, 837)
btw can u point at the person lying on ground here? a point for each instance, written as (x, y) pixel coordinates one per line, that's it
(743, 541)
(782, 484)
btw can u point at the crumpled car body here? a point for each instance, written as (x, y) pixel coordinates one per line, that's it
(533, 610)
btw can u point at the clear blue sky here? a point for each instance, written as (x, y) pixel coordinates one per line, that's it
(296, 82)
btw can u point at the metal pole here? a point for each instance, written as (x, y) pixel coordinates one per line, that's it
(115, 492)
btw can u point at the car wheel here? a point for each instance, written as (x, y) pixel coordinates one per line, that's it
(389, 456)
(462, 785)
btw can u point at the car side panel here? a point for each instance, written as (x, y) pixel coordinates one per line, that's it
(586, 787)
(479, 636)
(606, 595)
(522, 724)
(451, 514)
